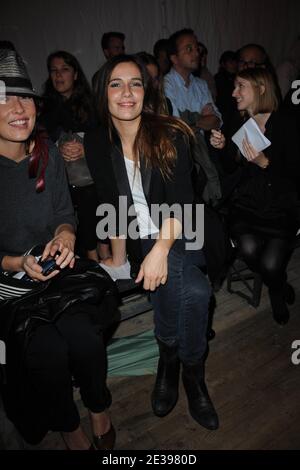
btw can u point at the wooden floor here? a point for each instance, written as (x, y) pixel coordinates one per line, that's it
(252, 381)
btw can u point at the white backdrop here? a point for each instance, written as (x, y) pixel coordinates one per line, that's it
(40, 27)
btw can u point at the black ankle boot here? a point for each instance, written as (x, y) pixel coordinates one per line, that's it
(280, 311)
(165, 394)
(200, 405)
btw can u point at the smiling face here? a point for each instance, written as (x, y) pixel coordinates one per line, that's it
(244, 94)
(62, 76)
(17, 120)
(125, 93)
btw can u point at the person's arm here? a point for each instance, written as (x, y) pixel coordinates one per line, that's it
(154, 268)
(14, 263)
(156, 264)
(63, 241)
(208, 119)
(217, 139)
(210, 115)
(27, 264)
(63, 222)
(253, 156)
(179, 192)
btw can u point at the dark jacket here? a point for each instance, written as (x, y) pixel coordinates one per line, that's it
(107, 167)
(270, 194)
(58, 115)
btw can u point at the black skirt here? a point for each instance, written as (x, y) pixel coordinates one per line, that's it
(242, 222)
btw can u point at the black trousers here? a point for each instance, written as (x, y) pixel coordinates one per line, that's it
(265, 249)
(72, 348)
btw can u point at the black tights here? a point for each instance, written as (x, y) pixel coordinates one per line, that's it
(267, 256)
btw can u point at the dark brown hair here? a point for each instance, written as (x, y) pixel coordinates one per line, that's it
(81, 100)
(158, 99)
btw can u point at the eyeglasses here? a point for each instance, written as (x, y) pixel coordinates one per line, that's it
(189, 48)
(251, 63)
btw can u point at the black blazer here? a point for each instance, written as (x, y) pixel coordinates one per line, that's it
(107, 166)
(271, 193)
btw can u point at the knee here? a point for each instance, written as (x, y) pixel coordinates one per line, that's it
(271, 270)
(248, 249)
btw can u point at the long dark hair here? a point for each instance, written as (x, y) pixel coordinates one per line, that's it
(81, 100)
(158, 101)
(155, 137)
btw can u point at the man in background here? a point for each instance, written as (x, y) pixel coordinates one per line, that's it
(112, 44)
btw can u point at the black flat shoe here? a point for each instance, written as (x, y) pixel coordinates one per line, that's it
(105, 441)
(282, 317)
(92, 447)
(210, 334)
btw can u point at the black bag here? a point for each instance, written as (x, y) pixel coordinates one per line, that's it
(86, 282)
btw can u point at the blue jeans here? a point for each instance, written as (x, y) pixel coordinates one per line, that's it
(181, 305)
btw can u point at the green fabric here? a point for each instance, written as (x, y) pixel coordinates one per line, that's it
(133, 355)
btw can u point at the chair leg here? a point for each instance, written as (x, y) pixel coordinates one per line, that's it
(236, 274)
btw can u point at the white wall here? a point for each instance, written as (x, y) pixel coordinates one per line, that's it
(40, 27)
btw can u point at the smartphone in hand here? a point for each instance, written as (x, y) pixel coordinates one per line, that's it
(48, 265)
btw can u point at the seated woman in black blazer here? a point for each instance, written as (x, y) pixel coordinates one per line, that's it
(264, 204)
(145, 157)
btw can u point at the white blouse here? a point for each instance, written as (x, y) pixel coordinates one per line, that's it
(146, 224)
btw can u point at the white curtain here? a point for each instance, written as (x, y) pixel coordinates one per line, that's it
(39, 27)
